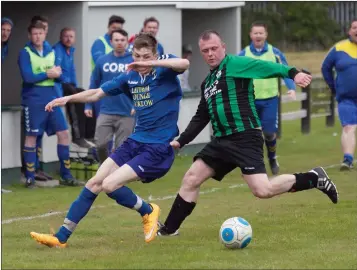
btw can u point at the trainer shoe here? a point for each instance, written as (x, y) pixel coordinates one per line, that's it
(274, 166)
(72, 182)
(47, 240)
(150, 223)
(346, 166)
(82, 143)
(30, 183)
(162, 230)
(325, 184)
(42, 176)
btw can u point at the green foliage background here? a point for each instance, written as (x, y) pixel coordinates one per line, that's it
(295, 26)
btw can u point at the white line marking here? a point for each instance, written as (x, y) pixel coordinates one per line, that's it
(150, 198)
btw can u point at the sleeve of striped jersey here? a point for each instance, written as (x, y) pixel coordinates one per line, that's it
(246, 67)
(282, 59)
(116, 86)
(198, 122)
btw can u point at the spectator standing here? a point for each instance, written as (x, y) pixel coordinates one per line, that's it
(64, 51)
(151, 26)
(343, 58)
(115, 117)
(38, 71)
(6, 28)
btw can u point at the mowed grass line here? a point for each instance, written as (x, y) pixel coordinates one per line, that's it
(302, 230)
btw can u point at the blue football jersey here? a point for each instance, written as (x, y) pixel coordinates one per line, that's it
(156, 98)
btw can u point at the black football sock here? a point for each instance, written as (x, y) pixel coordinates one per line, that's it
(304, 181)
(179, 211)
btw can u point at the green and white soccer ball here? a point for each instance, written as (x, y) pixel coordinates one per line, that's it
(235, 233)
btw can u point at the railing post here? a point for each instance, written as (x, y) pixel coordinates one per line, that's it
(306, 105)
(279, 110)
(330, 119)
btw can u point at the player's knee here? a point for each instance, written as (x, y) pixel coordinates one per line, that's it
(94, 184)
(191, 180)
(269, 136)
(30, 141)
(262, 192)
(63, 137)
(349, 128)
(108, 186)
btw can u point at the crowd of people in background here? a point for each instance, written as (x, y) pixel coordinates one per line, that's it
(48, 71)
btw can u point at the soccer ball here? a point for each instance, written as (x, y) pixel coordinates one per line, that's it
(235, 233)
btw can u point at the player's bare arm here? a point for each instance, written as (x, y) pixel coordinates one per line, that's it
(176, 64)
(91, 95)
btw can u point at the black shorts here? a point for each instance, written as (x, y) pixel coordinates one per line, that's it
(243, 150)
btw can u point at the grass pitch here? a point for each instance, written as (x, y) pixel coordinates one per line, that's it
(301, 230)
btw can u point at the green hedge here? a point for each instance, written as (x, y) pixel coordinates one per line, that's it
(295, 26)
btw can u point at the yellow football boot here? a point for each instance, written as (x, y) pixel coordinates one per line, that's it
(48, 240)
(150, 222)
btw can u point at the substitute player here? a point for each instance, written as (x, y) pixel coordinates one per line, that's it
(37, 66)
(147, 154)
(343, 58)
(115, 116)
(267, 90)
(228, 103)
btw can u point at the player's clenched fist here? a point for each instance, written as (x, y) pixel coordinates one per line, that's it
(302, 79)
(175, 144)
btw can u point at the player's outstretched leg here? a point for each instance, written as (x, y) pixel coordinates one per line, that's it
(114, 187)
(325, 184)
(78, 209)
(187, 197)
(316, 178)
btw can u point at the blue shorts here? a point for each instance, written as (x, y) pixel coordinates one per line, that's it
(37, 120)
(268, 113)
(347, 112)
(149, 161)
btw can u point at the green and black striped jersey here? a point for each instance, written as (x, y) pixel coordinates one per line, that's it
(227, 96)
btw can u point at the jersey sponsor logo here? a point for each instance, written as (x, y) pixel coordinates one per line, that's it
(114, 67)
(212, 90)
(133, 82)
(142, 96)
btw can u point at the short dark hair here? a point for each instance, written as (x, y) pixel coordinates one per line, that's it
(259, 23)
(115, 19)
(145, 40)
(206, 35)
(39, 18)
(120, 31)
(65, 30)
(151, 19)
(37, 25)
